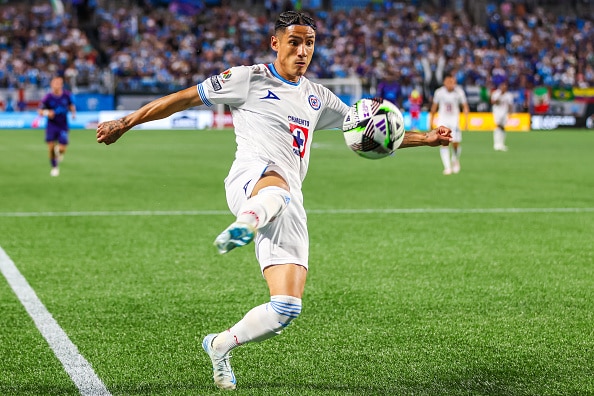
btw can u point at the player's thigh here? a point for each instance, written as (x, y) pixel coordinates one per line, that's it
(246, 178)
(285, 240)
(286, 279)
(63, 138)
(51, 136)
(240, 183)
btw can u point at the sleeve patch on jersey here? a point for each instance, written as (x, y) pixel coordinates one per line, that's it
(226, 74)
(216, 85)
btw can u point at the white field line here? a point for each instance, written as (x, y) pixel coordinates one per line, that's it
(77, 367)
(310, 211)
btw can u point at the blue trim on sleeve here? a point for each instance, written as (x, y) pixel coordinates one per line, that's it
(202, 95)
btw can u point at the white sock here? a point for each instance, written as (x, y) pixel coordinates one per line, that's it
(260, 323)
(502, 137)
(496, 143)
(444, 152)
(456, 151)
(262, 208)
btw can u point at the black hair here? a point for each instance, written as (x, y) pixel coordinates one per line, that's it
(289, 18)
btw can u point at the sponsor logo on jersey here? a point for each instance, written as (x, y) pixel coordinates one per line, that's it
(271, 95)
(314, 102)
(216, 85)
(299, 121)
(300, 135)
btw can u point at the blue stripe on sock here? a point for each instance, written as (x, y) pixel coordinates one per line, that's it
(286, 309)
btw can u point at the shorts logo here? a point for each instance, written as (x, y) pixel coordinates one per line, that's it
(245, 187)
(216, 85)
(314, 102)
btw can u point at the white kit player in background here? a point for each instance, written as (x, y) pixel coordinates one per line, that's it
(275, 111)
(447, 101)
(502, 101)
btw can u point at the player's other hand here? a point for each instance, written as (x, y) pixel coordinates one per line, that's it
(110, 131)
(440, 136)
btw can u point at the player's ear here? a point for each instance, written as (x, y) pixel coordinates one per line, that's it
(274, 41)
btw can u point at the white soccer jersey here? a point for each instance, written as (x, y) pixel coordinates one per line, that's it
(501, 109)
(274, 119)
(449, 106)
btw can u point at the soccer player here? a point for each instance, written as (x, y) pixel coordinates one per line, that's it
(502, 101)
(415, 102)
(447, 101)
(55, 106)
(275, 110)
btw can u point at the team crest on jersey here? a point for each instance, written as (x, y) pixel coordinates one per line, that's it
(314, 102)
(300, 134)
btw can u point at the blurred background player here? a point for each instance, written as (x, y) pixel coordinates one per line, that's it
(502, 101)
(390, 88)
(415, 101)
(55, 106)
(447, 101)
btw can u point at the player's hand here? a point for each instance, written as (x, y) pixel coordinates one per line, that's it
(440, 136)
(110, 131)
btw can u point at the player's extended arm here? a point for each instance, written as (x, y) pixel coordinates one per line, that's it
(110, 131)
(432, 114)
(440, 136)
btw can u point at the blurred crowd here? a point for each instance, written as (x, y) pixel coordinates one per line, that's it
(143, 47)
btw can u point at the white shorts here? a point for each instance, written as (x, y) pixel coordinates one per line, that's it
(500, 120)
(284, 240)
(456, 135)
(455, 127)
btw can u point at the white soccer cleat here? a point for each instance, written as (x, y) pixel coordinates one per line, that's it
(447, 171)
(222, 373)
(55, 172)
(501, 148)
(236, 235)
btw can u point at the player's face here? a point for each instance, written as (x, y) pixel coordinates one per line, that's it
(294, 49)
(56, 86)
(449, 83)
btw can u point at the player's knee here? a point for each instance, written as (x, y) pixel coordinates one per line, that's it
(280, 196)
(285, 309)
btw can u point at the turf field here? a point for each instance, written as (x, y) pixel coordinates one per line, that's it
(480, 283)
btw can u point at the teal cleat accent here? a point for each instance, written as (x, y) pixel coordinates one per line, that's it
(236, 235)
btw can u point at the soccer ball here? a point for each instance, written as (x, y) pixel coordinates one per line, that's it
(373, 128)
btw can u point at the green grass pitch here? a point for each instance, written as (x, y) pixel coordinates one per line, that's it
(480, 283)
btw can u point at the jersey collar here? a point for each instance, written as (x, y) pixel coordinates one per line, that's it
(272, 69)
